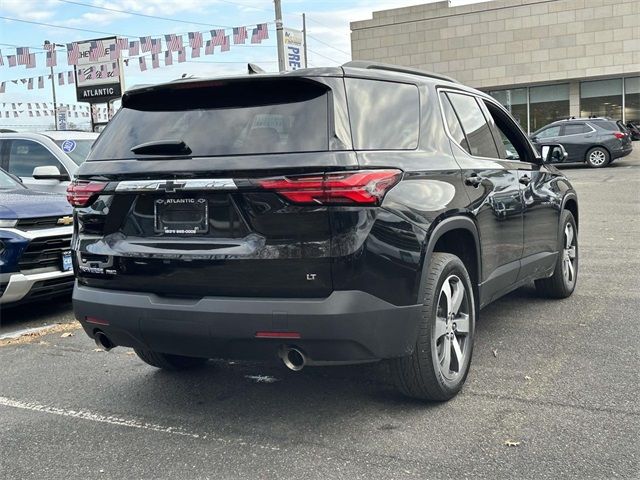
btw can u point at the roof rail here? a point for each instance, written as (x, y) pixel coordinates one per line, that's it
(396, 68)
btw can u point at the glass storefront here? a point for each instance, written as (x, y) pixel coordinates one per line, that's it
(514, 100)
(535, 107)
(548, 103)
(632, 99)
(601, 98)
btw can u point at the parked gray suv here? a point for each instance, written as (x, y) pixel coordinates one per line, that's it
(595, 141)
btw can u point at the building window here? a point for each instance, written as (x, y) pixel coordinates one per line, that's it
(632, 99)
(601, 98)
(514, 100)
(548, 104)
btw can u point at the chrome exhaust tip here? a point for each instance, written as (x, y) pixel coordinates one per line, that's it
(293, 359)
(102, 341)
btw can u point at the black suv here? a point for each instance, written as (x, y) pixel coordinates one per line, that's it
(596, 141)
(325, 216)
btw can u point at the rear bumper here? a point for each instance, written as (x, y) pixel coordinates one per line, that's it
(347, 326)
(35, 286)
(622, 151)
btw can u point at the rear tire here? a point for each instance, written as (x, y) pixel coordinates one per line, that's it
(565, 275)
(438, 366)
(169, 362)
(598, 157)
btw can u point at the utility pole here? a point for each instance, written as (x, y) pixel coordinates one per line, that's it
(304, 38)
(53, 86)
(279, 35)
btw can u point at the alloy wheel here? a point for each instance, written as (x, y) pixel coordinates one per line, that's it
(569, 255)
(597, 157)
(452, 328)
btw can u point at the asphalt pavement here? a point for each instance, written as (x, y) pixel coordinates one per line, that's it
(553, 391)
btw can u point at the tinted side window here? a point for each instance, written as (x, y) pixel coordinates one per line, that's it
(611, 126)
(384, 115)
(549, 132)
(26, 155)
(575, 129)
(455, 129)
(475, 125)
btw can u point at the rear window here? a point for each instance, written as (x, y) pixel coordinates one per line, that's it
(384, 115)
(607, 125)
(78, 150)
(222, 118)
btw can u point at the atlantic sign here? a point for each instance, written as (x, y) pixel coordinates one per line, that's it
(98, 76)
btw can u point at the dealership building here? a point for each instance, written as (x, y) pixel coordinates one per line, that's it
(543, 59)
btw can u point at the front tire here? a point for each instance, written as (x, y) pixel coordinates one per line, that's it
(598, 157)
(565, 275)
(169, 362)
(438, 366)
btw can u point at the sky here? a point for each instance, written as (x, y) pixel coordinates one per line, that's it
(65, 21)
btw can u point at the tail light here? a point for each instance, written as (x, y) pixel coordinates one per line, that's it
(619, 135)
(80, 193)
(362, 187)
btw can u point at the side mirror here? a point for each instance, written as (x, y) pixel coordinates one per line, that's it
(49, 172)
(553, 153)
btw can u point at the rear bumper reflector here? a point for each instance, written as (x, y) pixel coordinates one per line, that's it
(285, 335)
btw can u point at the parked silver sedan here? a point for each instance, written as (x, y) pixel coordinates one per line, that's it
(45, 161)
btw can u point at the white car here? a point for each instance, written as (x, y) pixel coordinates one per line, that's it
(45, 161)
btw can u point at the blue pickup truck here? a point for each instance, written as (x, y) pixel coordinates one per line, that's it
(35, 241)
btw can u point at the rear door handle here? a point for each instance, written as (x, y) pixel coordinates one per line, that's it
(474, 180)
(525, 180)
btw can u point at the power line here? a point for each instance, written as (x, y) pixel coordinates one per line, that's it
(64, 27)
(328, 45)
(128, 12)
(323, 56)
(319, 23)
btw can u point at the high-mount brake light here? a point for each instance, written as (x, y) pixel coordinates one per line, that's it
(80, 193)
(361, 187)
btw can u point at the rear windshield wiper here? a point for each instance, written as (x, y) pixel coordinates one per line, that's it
(162, 147)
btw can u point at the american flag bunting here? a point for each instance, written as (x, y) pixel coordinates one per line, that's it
(114, 51)
(95, 51)
(52, 59)
(174, 42)
(40, 82)
(143, 64)
(145, 44)
(156, 45)
(263, 31)
(12, 60)
(195, 39)
(155, 60)
(73, 52)
(217, 36)
(30, 84)
(255, 36)
(208, 49)
(168, 58)
(31, 63)
(115, 69)
(123, 43)
(195, 52)
(134, 48)
(22, 53)
(182, 56)
(61, 78)
(1, 60)
(226, 44)
(239, 35)
(70, 78)
(2, 87)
